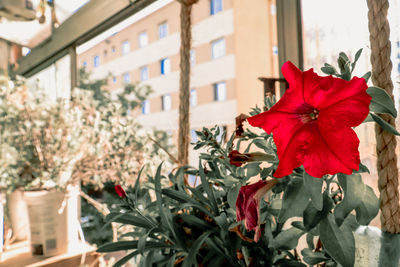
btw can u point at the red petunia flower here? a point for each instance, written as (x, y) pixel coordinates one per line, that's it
(247, 206)
(120, 191)
(311, 123)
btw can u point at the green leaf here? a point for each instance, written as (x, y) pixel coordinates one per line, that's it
(312, 216)
(295, 200)
(362, 168)
(357, 56)
(337, 242)
(190, 260)
(165, 214)
(183, 198)
(381, 102)
(207, 188)
(252, 169)
(116, 246)
(311, 257)
(232, 196)
(368, 208)
(367, 76)
(314, 187)
(386, 126)
(353, 188)
(287, 239)
(128, 218)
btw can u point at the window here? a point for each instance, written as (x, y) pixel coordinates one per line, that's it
(146, 107)
(126, 78)
(165, 66)
(193, 97)
(221, 136)
(105, 53)
(193, 134)
(143, 39)
(192, 57)
(218, 48)
(96, 61)
(144, 73)
(113, 49)
(84, 64)
(215, 6)
(220, 91)
(162, 30)
(114, 79)
(166, 102)
(126, 47)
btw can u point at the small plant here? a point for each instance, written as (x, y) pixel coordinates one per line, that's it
(251, 208)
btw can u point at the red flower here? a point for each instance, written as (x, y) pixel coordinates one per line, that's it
(247, 206)
(120, 191)
(311, 124)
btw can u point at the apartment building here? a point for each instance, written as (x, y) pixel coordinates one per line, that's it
(233, 45)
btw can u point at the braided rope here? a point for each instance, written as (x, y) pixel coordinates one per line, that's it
(184, 80)
(385, 142)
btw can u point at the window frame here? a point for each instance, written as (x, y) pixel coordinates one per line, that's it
(164, 106)
(163, 70)
(124, 75)
(142, 71)
(213, 5)
(139, 39)
(214, 48)
(96, 63)
(162, 33)
(217, 94)
(145, 107)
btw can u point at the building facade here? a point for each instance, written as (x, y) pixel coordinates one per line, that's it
(230, 50)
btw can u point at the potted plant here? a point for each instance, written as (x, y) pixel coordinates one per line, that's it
(41, 141)
(260, 192)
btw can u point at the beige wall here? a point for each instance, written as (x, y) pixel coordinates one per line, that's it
(252, 50)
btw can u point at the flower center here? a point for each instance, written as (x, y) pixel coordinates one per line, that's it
(314, 114)
(309, 117)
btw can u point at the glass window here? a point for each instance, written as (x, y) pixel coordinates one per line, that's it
(143, 39)
(218, 48)
(113, 49)
(192, 57)
(145, 107)
(96, 61)
(114, 79)
(165, 66)
(144, 73)
(220, 91)
(166, 102)
(84, 64)
(126, 47)
(222, 130)
(193, 97)
(215, 6)
(105, 53)
(193, 134)
(126, 78)
(162, 30)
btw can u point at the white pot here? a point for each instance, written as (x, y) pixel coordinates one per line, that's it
(53, 218)
(18, 215)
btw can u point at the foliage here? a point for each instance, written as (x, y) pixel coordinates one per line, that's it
(40, 138)
(91, 138)
(197, 226)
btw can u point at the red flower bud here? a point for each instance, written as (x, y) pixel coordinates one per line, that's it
(238, 159)
(120, 191)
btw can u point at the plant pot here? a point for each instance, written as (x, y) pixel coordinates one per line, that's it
(53, 218)
(18, 215)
